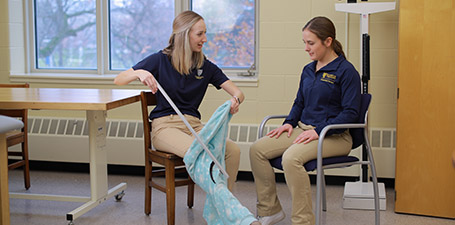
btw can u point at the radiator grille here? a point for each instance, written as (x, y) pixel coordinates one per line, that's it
(49, 138)
(384, 138)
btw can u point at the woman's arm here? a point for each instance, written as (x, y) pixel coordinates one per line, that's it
(125, 77)
(236, 93)
(131, 75)
(295, 113)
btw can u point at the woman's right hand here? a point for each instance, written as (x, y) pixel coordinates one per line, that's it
(130, 75)
(278, 131)
(147, 79)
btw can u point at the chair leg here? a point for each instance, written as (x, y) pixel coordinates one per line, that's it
(190, 200)
(318, 196)
(375, 179)
(376, 199)
(170, 191)
(26, 165)
(148, 191)
(324, 199)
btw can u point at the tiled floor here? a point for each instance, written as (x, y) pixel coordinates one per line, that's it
(130, 210)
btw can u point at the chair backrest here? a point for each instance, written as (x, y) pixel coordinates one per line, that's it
(15, 85)
(357, 133)
(147, 99)
(16, 113)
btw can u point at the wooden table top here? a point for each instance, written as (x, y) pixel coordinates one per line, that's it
(66, 98)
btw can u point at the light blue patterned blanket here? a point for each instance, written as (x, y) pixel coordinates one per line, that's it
(221, 207)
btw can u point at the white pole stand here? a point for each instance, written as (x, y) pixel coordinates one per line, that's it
(359, 195)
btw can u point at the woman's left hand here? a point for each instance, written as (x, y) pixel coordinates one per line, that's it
(236, 93)
(234, 106)
(306, 137)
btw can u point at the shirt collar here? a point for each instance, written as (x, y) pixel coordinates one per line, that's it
(329, 67)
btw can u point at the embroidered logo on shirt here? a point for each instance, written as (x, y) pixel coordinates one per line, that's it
(199, 74)
(328, 78)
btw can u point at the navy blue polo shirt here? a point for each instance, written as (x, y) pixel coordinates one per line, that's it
(186, 91)
(328, 96)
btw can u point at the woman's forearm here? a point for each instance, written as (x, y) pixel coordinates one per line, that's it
(233, 90)
(125, 77)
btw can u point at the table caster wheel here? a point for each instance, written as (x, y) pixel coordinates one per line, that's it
(119, 196)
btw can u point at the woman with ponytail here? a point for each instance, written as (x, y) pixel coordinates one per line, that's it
(184, 73)
(329, 93)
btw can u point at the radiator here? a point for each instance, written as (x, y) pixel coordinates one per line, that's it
(66, 140)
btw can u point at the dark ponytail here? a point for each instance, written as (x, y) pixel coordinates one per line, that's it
(338, 48)
(323, 28)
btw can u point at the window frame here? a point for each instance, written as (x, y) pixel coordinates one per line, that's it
(103, 74)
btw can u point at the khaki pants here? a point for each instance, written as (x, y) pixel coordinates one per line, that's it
(294, 156)
(170, 134)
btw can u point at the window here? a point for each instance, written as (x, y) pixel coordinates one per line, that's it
(138, 28)
(230, 31)
(104, 37)
(65, 34)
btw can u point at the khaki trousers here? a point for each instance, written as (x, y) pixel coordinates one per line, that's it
(298, 182)
(169, 134)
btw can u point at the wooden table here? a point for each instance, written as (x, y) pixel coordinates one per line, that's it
(95, 102)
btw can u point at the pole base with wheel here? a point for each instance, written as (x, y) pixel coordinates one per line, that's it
(359, 195)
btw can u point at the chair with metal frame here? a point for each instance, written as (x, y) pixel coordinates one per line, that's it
(18, 137)
(320, 164)
(172, 163)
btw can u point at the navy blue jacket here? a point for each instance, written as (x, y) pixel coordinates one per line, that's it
(186, 91)
(328, 96)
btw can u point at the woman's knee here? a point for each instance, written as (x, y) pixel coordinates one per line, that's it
(232, 150)
(253, 150)
(257, 152)
(288, 161)
(257, 148)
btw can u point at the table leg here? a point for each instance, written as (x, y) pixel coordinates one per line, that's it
(98, 165)
(4, 196)
(98, 154)
(98, 174)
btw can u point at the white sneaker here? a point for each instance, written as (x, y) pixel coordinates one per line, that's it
(273, 219)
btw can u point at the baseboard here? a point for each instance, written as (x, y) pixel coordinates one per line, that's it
(139, 171)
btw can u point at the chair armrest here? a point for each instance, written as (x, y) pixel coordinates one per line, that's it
(264, 122)
(341, 126)
(336, 126)
(322, 136)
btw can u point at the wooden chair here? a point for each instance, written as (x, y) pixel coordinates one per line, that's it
(172, 163)
(18, 137)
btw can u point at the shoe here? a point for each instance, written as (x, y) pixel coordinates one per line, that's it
(273, 219)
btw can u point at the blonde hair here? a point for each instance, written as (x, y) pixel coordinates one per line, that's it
(182, 57)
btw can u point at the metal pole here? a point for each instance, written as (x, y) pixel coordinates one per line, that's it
(365, 79)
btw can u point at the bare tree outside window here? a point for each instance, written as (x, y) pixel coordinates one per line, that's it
(138, 28)
(65, 34)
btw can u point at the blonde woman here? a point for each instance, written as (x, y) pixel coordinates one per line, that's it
(184, 73)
